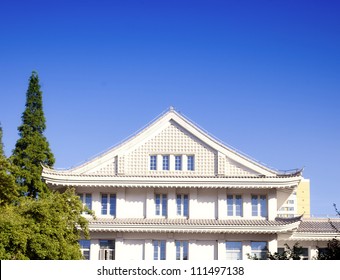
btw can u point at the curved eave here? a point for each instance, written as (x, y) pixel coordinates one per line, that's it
(161, 228)
(57, 180)
(314, 236)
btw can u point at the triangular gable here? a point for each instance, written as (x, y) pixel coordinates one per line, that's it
(173, 134)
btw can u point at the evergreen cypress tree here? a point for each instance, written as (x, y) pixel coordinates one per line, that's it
(32, 148)
(8, 188)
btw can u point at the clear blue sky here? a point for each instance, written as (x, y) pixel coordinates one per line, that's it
(263, 76)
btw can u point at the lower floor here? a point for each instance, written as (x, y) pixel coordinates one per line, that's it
(184, 246)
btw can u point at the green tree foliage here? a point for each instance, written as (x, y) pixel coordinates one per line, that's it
(32, 148)
(290, 253)
(332, 252)
(47, 228)
(8, 187)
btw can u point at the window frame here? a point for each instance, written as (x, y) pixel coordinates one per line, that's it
(178, 162)
(161, 204)
(232, 251)
(159, 250)
(108, 248)
(260, 208)
(84, 249)
(153, 162)
(259, 253)
(111, 204)
(182, 249)
(191, 163)
(232, 208)
(182, 205)
(166, 162)
(84, 200)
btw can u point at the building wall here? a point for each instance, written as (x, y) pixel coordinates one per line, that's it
(203, 203)
(303, 198)
(139, 246)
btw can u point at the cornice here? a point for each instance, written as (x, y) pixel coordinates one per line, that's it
(80, 180)
(202, 226)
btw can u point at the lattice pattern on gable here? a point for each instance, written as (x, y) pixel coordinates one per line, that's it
(107, 169)
(221, 164)
(172, 140)
(235, 169)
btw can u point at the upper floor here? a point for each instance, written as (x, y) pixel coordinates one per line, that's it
(187, 203)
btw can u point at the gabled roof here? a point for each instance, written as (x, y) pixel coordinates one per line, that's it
(173, 117)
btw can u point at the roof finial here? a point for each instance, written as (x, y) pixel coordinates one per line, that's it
(171, 109)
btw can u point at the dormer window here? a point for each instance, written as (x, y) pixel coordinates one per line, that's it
(178, 162)
(166, 162)
(191, 163)
(170, 162)
(153, 162)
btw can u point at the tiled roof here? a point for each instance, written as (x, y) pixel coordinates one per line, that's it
(320, 225)
(66, 172)
(192, 225)
(191, 222)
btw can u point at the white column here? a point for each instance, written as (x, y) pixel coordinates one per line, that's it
(172, 203)
(150, 203)
(193, 207)
(192, 250)
(94, 249)
(121, 209)
(119, 249)
(221, 204)
(96, 203)
(171, 162)
(247, 206)
(222, 256)
(184, 162)
(246, 249)
(313, 251)
(159, 162)
(272, 205)
(170, 249)
(148, 250)
(272, 245)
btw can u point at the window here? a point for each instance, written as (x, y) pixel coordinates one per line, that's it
(165, 162)
(259, 250)
(259, 205)
(108, 204)
(191, 163)
(234, 205)
(304, 254)
(178, 162)
(291, 201)
(280, 250)
(182, 250)
(85, 248)
(161, 205)
(86, 199)
(159, 249)
(182, 202)
(107, 249)
(234, 250)
(153, 162)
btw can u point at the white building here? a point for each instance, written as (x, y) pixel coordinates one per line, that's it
(172, 191)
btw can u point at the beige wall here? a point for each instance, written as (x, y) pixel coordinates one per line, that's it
(303, 198)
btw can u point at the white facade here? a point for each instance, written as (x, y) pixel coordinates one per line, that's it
(174, 192)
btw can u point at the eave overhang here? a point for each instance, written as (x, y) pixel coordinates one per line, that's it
(192, 226)
(59, 180)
